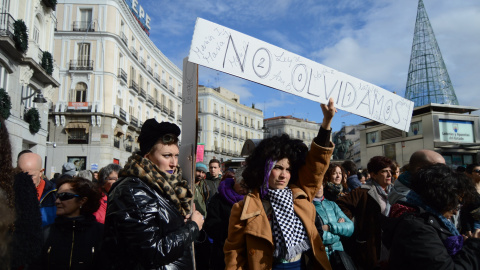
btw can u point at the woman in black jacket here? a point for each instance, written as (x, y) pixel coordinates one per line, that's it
(73, 240)
(419, 232)
(148, 224)
(230, 191)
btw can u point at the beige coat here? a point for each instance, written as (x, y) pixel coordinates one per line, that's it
(250, 241)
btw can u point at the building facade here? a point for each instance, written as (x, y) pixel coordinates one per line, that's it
(450, 130)
(296, 128)
(113, 78)
(27, 71)
(224, 124)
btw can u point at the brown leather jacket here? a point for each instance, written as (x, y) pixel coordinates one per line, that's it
(250, 245)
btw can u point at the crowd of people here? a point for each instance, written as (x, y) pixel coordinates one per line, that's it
(288, 207)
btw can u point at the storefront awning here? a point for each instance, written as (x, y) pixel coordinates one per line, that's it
(73, 125)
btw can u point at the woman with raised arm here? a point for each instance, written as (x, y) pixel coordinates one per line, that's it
(274, 226)
(148, 224)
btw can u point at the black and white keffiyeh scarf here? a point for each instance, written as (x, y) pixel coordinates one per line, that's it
(289, 234)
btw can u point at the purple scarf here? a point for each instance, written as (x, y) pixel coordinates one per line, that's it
(227, 192)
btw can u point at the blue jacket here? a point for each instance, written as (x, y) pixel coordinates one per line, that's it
(353, 182)
(329, 212)
(47, 203)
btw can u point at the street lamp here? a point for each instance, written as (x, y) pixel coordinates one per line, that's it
(38, 99)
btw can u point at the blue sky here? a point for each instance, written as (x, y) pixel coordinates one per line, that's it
(368, 39)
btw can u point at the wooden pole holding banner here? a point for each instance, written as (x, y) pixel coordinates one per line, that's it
(188, 145)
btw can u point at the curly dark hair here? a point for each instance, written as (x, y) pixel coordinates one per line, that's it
(274, 148)
(379, 163)
(84, 188)
(6, 168)
(329, 174)
(442, 188)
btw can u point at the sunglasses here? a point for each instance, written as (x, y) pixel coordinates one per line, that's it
(477, 171)
(66, 196)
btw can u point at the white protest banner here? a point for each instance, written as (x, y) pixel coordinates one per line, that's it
(235, 53)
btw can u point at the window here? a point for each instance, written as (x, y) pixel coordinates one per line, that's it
(140, 81)
(163, 100)
(77, 136)
(83, 55)
(3, 77)
(132, 73)
(119, 98)
(389, 151)
(164, 75)
(415, 129)
(79, 93)
(131, 109)
(86, 16)
(372, 137)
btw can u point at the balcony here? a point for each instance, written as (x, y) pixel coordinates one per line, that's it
(229, 118)
(200, 128)
(200, 110)
(164, 109)
(217, 150)
(171, 114)
(179, 94)
(170, 88)
(222, 115)
(156, 76)
(223, 133)
(215, 112)
(134, 86)
(134, 121)
(7, 33)
(158, 105)
(216, 130)
(81, 65)
(142, 93)
(142, 62)
(150, 70)
(122, 75)
(123, 114)
(164, 83)
(241, 122)
(134, 52)
(229, 134)
(179, 118)
(150, 100)
(124, 38)
(235, 120)
(83, 26)
(235, 136)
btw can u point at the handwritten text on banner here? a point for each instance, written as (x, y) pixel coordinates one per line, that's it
(232, 52)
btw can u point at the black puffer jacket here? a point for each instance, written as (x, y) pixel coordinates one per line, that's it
(416, 242)
(143, 230)
(71, 243)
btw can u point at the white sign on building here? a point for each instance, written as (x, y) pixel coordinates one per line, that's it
(235, 53)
